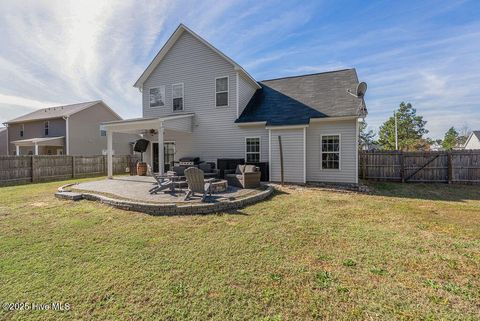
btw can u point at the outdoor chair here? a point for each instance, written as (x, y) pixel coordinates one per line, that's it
(163, 183)
(245, 176)
(197, 183)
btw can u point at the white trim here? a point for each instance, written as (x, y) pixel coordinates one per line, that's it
(305, 155)
(183, 97)
(356, 152)
(287, 127)
(164, 96)
(8, 141)
(259, 147)
(325, 119)
(269, 155)
(251, 124)
(339, 152)
(67, 136)
(237, 89)
(169, 44)
(221, 92)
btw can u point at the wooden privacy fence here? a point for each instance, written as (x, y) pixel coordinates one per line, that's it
(423, 167)
(26, 169)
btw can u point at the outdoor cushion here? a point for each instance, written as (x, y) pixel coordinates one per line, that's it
(240, 169)
(250, 169)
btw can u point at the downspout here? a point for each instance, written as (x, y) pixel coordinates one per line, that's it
(67, 136)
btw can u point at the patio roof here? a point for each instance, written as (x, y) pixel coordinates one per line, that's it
(41, 141)
(182, 122)
(179, 122)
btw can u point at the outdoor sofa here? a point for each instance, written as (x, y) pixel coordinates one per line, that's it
(244, 176)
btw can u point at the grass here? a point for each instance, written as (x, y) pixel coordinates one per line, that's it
(406, 252)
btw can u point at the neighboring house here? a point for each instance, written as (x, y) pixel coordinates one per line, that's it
(473, 141)
(65, 130)
(3, 141)
(200, 103)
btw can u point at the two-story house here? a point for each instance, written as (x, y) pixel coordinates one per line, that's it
(3, 141)
(65, 130)
(198, 102)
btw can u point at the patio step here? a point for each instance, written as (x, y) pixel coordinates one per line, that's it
(72, 196)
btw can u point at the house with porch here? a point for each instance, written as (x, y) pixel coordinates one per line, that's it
(197, 102)
(3, 141)
(65, 130)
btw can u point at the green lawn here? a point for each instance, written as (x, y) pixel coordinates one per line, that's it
(407, 252)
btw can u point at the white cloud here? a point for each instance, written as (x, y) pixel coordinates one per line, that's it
(26, 102)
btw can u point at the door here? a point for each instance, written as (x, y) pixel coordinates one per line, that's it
(168, 155)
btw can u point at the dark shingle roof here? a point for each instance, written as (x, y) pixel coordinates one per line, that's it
(294, 100)
(54, 112)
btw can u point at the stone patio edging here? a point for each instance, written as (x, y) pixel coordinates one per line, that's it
(166, 209)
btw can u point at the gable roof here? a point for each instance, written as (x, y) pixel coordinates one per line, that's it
(475, 133)
(58, 112)
(294, 100)
(169, 44)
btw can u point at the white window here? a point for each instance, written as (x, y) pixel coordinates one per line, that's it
(22, 130)
(157, 96)
(46, 128)
(330, 151)
(221, 92)
(177, 97)
(252, 149)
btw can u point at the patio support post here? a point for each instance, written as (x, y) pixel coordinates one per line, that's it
(161, 159)
(17, 150)
(36, 149)
(109, 154)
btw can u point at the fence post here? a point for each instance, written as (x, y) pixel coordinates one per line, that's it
(364, 165)
(402, 167)
(73, 166)
(450, 168)
(33, 169)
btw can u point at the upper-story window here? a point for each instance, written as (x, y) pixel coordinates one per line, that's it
(47, 127)
(22, 130)
(177, 97)
(330, 152)
(157, 96)
(221, 91)
(252, 149)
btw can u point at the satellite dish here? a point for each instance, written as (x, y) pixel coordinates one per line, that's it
(360, 91)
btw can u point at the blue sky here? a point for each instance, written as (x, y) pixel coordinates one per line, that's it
(424, 52)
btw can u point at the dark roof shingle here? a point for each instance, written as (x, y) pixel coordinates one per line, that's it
(294, 100)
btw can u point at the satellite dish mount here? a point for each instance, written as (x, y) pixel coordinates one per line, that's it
(359, 91)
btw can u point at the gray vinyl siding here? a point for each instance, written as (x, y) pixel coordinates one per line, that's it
(3, 141)
(85, 137)
(348, 146)
(34, 129)
(246, 91)
(473, 143)
(293, 155)
(215, 135)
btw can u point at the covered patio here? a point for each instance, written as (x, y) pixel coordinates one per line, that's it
(57, 143)
(152, 127)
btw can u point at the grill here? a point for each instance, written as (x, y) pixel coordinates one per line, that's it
(189, 161)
